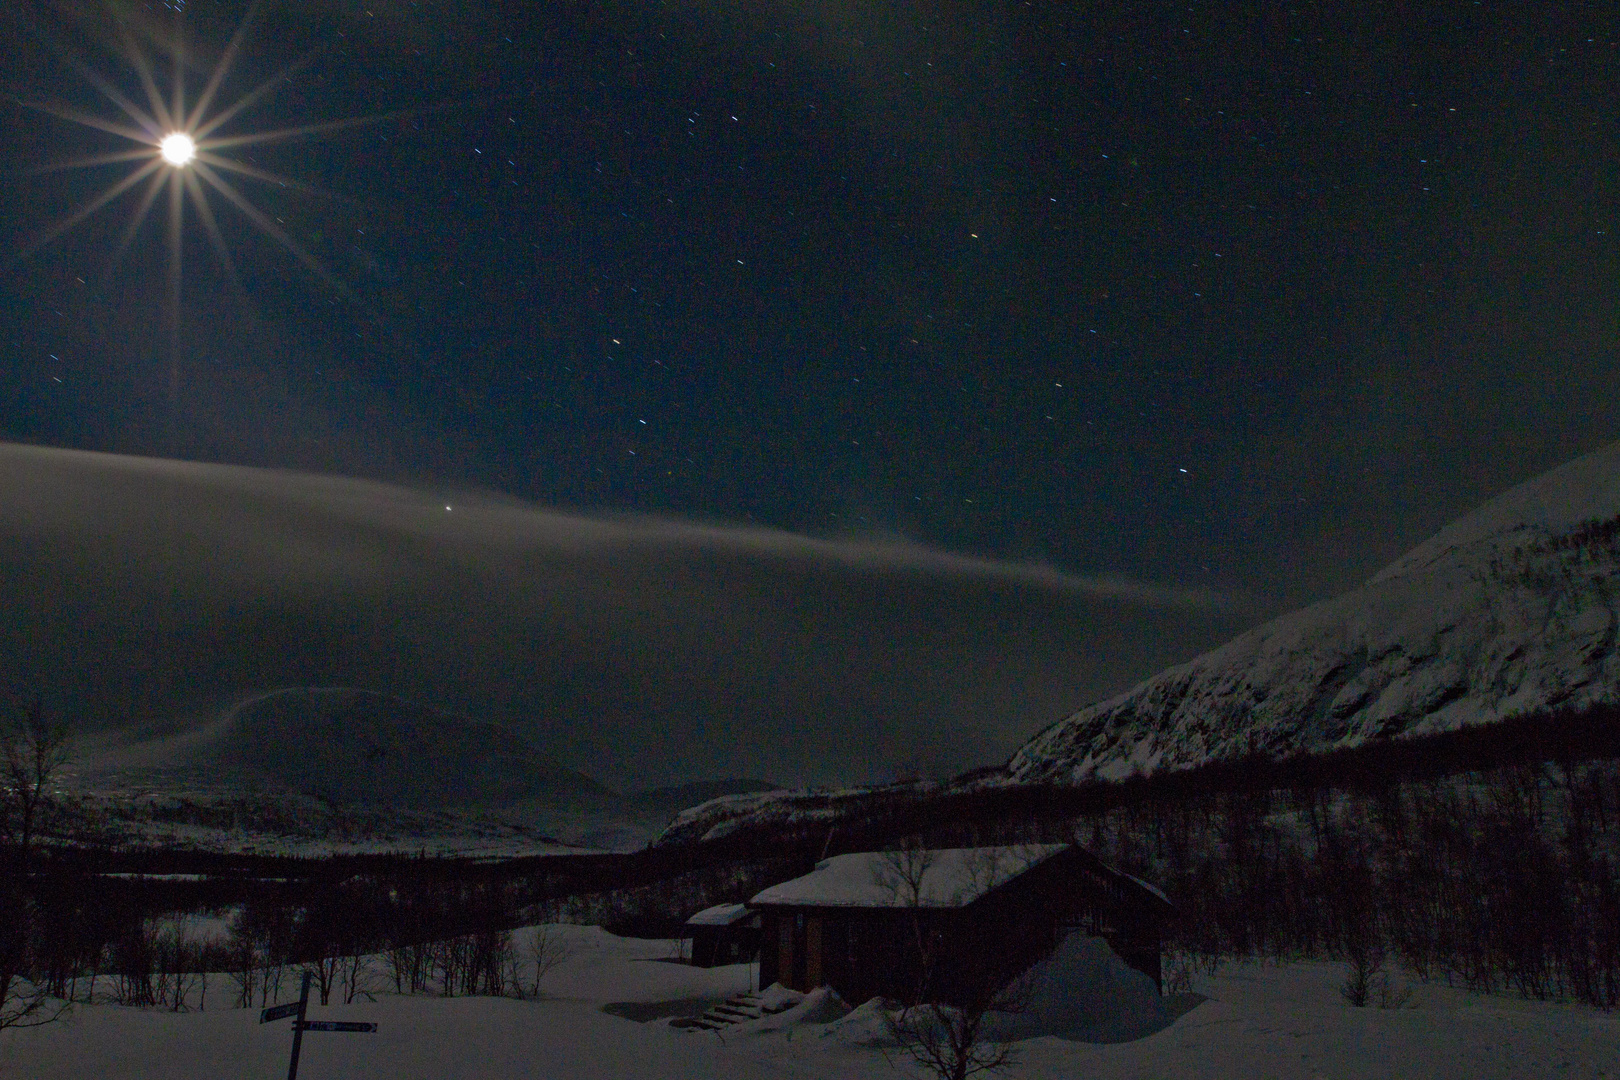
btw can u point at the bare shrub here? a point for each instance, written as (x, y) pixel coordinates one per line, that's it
(546, 950)
(948, 1039)
(323, 970)
(32, 751)
(410, 966)
(1182, 963)
(355, 974)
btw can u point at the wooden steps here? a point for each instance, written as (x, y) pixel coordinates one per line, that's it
(734, 1010)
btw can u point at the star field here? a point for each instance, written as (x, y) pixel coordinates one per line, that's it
(1238, 296)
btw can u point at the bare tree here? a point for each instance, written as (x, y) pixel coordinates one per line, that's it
(243, 967)
(953, 1042)
(950, 1039)
(901, 872)
(546, 950)
(324, 970)
(355, 973)
(410, 965)
(34, 751)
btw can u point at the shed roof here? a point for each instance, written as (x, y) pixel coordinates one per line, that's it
(944, 878)
(720, 915)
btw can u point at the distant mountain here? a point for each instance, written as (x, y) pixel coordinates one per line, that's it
(677, 797)
(1510, 609)
(788, 814)
(349, 747)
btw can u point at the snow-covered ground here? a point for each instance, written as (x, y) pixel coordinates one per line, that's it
(1257, 1021)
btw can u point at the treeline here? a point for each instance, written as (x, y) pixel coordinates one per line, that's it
(839, 822)
(443, 926)
(1506, 879)
(160, 963)
(1489, 857)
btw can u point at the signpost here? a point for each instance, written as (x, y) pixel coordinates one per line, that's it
(300, 1025)
(278, 1012)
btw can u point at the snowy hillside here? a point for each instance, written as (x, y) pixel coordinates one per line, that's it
(785, 812)
(309, 771)
(1509, 609)
(348, 747)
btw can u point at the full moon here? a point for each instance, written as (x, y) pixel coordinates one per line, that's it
(177, 149)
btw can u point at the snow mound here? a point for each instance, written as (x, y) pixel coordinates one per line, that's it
(1082, 992)
(820, 1006)
(776, 997)
(1086, 993)
(865, 1025)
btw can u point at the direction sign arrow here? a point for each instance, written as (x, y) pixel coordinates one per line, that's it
(276, 1012)
(336, 1025)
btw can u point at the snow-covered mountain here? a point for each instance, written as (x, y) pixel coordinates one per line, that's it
(787, 812)
(1509, 609)
(313, 770)
(310, 771)
(350, 748)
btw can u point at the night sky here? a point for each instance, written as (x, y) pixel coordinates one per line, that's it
(1237, 297)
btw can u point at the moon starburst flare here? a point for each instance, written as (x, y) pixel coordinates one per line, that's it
(177, 148)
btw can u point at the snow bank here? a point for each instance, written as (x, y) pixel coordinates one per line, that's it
(1084, 992)
(604, 968)
(865, 1025)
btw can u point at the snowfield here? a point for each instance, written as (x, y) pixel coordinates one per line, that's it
(1248, 1021)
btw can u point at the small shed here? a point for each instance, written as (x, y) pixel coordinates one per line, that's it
(952, 925)
(724, 934)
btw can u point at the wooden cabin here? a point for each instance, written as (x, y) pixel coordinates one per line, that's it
(724, 934)
(952, 925)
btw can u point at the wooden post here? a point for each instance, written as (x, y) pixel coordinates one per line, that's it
(814, 975)
(298, 1028)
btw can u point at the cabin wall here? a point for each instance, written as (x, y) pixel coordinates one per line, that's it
(770, 969)
(715, 946)
(704, 943)
(874, 952)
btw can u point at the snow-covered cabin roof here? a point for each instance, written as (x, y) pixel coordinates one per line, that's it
(720, 915)
(1154, 889)
(944, 878)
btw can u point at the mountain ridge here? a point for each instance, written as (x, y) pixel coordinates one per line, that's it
(349, 746)
(1510, 608)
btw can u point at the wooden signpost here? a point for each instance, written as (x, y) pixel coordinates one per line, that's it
(300, 1025)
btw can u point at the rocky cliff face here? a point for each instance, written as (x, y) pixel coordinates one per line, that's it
(1511, 608)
